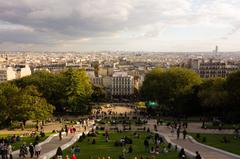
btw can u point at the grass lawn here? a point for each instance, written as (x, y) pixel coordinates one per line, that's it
(104, 149)
(26, 139)
(216, 140)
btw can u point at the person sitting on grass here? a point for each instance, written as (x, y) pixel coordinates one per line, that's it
(182, 154)
(165, 150)
(152, 151)
(146, 144)
(73, 156)
(59, 153)
(157, 149)
(130, 149)
(77, 149)
(72, 149)
(94, 141)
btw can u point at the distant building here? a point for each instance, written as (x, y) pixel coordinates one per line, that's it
(7, 74)
(212, 68)
(97, 81)
(22, 71)
(122, 84)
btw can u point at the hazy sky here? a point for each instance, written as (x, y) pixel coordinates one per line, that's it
(148, 25)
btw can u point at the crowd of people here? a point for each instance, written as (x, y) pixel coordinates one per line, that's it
(33, 148)
(6, 150)
(179, 128)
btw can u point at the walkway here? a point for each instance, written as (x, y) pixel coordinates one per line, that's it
(54, 143)
(196, 128)
(188, 144)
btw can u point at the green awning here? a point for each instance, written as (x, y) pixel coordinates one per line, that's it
(151, 104)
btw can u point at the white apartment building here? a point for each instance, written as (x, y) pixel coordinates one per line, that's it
(22, 71)
(7, 74)
(122, 84)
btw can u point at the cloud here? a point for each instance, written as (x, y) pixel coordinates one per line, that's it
(54, 22)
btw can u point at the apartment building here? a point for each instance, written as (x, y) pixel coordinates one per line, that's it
(7, 74)
(122, 84)
(212, 68)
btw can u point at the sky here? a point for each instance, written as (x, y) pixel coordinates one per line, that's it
(126, 25)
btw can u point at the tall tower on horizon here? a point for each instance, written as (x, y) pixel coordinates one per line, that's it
(216, 49)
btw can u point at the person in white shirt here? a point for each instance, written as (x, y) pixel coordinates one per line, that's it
(38, 150)
(10, 151)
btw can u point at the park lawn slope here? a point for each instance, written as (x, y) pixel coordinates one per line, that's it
(104, 149)
(25, 139)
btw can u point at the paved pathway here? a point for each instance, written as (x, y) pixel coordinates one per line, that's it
(196, 128)
(188, 144)
(53, 143)
(193, 147)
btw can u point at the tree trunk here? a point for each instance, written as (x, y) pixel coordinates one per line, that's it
(23, 124)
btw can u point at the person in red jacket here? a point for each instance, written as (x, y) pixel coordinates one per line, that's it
(73, 156)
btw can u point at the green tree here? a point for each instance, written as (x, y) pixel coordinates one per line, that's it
(7, 92)
(99, 94)
(169, 86)
(213, 97)
(29, 105)
(233, 87)
(22, 104)
(50, 85)
(78, 91)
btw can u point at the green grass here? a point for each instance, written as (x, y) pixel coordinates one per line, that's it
(104, 149)
(26, 139)
(216, 140)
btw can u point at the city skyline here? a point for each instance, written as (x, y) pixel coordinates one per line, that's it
(127, 25)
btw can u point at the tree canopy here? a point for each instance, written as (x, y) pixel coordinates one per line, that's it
(22, 104)
(166, 85)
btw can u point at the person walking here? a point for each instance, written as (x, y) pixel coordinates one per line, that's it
(66, 130)
(184, 134)
(60, 135)
(31, 150)
(23, 151)
(10, 151)
(5, 151)
(38, 149)
(178, 132)
(198, 156)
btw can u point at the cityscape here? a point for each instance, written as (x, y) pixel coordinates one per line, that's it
(129, 79)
